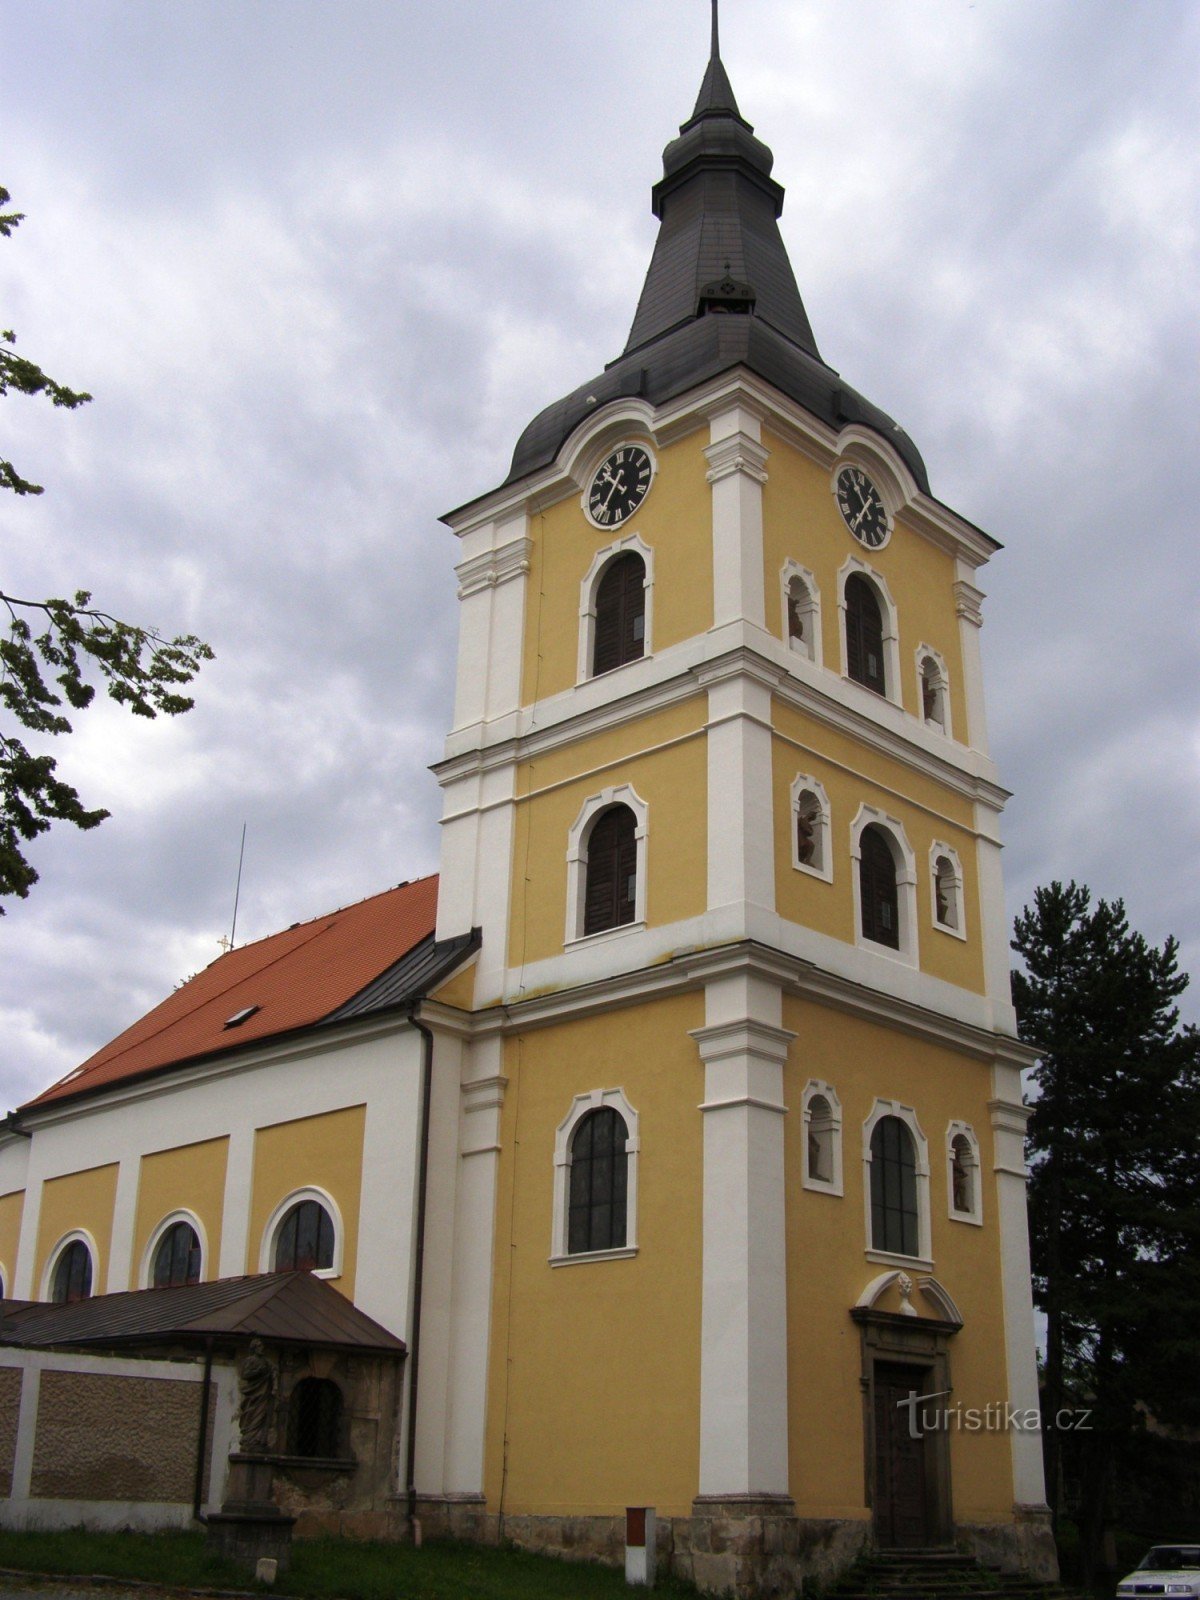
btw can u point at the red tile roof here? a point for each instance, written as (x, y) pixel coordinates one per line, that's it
(293, 979)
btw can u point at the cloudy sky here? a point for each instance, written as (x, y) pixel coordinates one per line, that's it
(320, 261)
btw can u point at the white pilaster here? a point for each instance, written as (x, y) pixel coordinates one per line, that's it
(993, 918)
(741, 830)
(235, 1210)
(1009, 1117)
(968, 602)
(491, 620)
(743, 1353)
(120, 1249)
(737, 462)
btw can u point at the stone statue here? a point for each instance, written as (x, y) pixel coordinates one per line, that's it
(256, 1388)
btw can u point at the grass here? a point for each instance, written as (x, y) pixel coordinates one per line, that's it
(327, 1569)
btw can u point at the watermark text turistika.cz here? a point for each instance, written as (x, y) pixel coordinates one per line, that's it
(998, 1416)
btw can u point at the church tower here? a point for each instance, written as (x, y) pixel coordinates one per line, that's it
(733, 1169)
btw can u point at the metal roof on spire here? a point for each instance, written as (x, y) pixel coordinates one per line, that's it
(720, 291)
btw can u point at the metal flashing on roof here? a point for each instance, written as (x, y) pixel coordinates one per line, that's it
(412, 977)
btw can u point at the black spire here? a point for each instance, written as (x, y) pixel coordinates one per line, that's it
(719, 208)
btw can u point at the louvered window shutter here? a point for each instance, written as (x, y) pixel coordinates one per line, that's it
(877, 885)
(620, 614)
(611, 895)
(864, 635)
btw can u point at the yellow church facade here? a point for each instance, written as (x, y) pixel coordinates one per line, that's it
(677, 1126)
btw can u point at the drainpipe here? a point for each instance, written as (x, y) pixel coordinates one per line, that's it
(202, 1442)
(414, 1346)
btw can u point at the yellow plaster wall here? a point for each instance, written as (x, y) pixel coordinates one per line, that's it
(322, 1152)
(801, 522)
(675, 520)
(595, 1367)
(665, 758)
(190, 1177)
(458, 991)
(78, 1200)
(11, 1208)
(853, 775)
(828, 1268)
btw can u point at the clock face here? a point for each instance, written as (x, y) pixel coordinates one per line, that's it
(862, 507)
(620, 486)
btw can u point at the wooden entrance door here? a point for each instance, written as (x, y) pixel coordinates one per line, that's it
(900, 1468)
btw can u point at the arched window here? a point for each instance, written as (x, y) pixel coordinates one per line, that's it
(315, 1419)
(864, 634)
(72, 1274)
(945, 893)
(810, 828)
(304, 1239)
(177, 1259)
(895, 1223)
(610, 898)
(962, 1161)
(620, 614)
(877, 889)
(822, 1113)
(598, 1183)
(935, 700)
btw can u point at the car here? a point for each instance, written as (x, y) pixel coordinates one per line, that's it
(1165, 1569)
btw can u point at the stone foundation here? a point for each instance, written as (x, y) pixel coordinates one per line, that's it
(746, 1549)
(1024, 1545)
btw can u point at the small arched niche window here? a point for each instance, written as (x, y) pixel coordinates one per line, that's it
(895, 1220)
(810, 828)
(864, 634)
(878, 895)
(595, 1197)
(177, 1257)
(946, 889)
(962, 1173)
(935, 689)
(314, 1425)
(304, 1239)
(610, 898)
(822, 1114)
(801, 611)
(72, 1279)
(620, 628)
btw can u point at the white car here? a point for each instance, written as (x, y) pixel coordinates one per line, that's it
(1165, 1569)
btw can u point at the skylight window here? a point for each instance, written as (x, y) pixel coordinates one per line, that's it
(238, 1017)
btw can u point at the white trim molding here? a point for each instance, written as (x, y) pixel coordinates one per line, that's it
(631, 544)
(577, 841)
(266, 1249)
(145, 1277)
(962, 1136)
(809, 645)
(891, 626)
(938, 681)
(948, 878)
(88, 1240)
(905, 1114)
(905, 861)
(822, 1138)
(583, 1105)
(858, 446)
(821, 864)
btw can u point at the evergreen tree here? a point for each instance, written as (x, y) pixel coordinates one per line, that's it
(1113, 1197)
(51, 651)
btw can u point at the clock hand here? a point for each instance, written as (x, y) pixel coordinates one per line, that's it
(616, 484)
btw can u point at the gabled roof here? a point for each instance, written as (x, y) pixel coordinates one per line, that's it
(374, 956)
(278, 1307)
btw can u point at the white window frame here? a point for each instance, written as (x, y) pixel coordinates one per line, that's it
(895, 1108)
(926, 652)
(5, 1281)
(802, 784)
(937, 850)
(812, 1089)
(964, 1130)
(266, 1249)
(811, 647)
(590, 584)
(51, 1266)
(906, 884)
(593, 1100)
(621, 795)
(891, 628)
(146, 1270)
